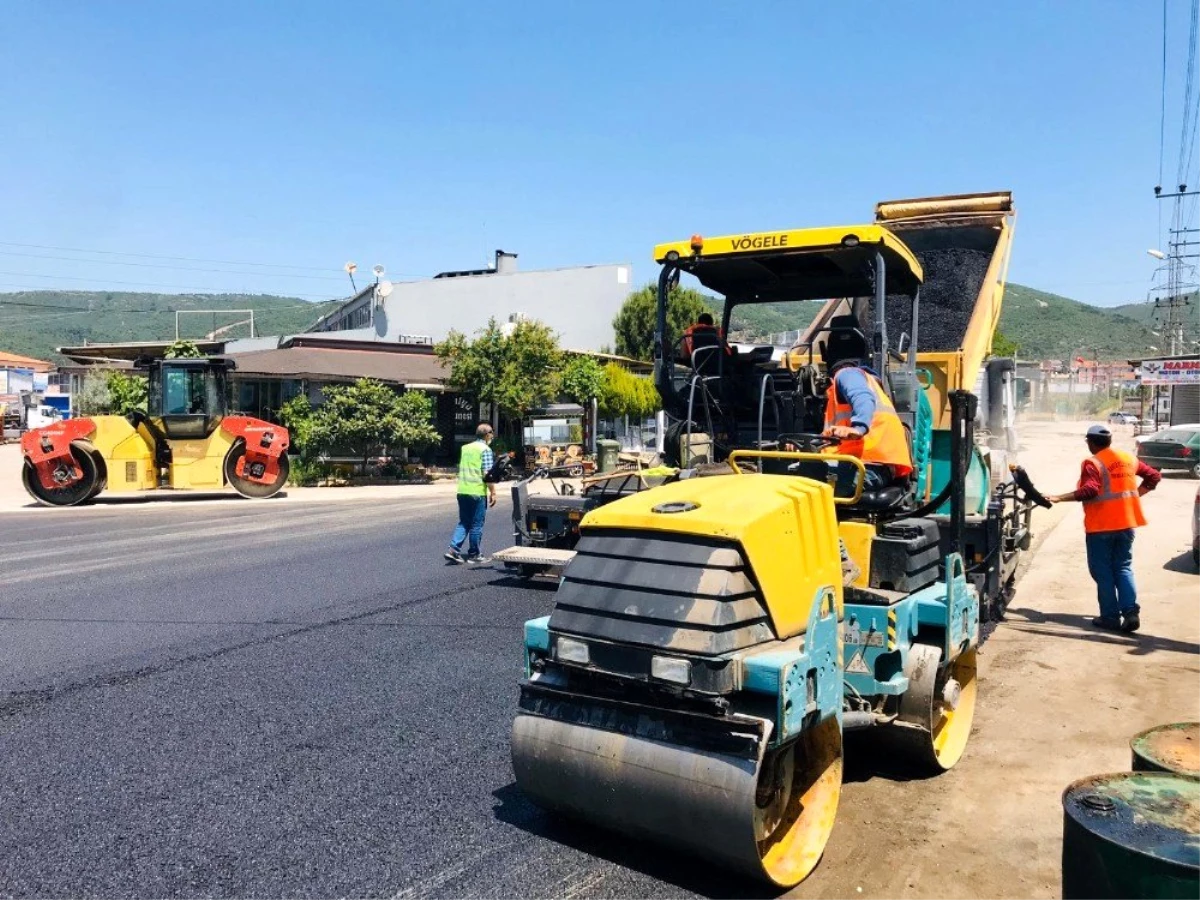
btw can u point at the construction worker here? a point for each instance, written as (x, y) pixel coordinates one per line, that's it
(702, 334)
(475, 495)
(1109, 492)
(860, 414)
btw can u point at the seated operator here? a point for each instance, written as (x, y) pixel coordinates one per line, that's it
(702, 334)
(860, 414)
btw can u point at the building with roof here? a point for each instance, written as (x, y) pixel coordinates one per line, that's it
(22, 374)
(1175, 381)
(578, 303)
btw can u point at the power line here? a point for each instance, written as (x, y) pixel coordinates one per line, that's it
(119, 262)
(223, 262)
(1162, 120)
(196, 259)
(179, 287)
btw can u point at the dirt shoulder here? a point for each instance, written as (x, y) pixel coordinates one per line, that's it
(1058, 702)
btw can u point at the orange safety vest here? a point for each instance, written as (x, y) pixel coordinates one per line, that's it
(701, 329)
(1117, 506)
(885, 442)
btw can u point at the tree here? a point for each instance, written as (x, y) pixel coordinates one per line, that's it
(638, 317)
(117, 394)
(581, 379)
(94, 399)
(183, 350)
(365, 416)
(516, 371)
(299, 417)
(127, 392)
(1002, 346)
(625, 394)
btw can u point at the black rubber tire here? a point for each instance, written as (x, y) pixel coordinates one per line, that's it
(252, 489)
(72, 495)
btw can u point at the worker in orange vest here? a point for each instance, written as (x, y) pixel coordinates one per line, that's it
(709, 336)
(859, 412)
(1110, 494)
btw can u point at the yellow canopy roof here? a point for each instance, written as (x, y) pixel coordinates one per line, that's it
(801, 264)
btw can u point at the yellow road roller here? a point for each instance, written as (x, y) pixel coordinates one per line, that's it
(713, 638)
(186, 440)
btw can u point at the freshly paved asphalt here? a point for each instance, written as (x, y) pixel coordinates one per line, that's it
(257, 699)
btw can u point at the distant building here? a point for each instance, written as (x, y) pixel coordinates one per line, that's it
(579, 303)
(1176, 385)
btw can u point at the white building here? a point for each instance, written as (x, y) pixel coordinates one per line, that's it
(579, 303)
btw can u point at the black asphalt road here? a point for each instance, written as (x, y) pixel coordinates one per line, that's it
(277, 699)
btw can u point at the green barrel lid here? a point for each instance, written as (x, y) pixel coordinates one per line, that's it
(1155, 814)
(1168, 748)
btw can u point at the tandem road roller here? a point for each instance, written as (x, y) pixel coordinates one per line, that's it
(185, 441)
(709, 645)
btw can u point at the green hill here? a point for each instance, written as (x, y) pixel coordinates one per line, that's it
(1043, 325)
(1047, 326)
(1149, 316)
(33, 323)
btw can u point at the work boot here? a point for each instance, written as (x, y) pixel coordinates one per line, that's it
(1107, 623)
(453, 556)
(1131, 622)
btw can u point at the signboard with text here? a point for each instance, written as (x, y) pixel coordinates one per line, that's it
(1169, 371)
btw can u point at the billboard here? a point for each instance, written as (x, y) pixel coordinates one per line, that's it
(1169, 371)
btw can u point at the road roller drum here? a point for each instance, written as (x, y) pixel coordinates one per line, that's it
(703, 660)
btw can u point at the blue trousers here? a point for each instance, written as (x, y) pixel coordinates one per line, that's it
(1110, 562)
(471, 512)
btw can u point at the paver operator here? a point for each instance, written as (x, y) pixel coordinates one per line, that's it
(1112, 509)
(475, 495)
(860, 414)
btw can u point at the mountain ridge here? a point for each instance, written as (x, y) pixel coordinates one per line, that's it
(33, 323)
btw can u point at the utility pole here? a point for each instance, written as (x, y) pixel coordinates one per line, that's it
(1170, 307)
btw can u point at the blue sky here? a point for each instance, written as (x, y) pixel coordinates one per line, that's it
(424, 135)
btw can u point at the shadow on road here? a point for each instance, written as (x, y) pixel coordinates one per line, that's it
(685, 872)
(1182, 563)
(870, 754)
(504, 579)
(1079, 628)
(170, 497)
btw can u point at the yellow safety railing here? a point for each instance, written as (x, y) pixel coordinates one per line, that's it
(860, 474)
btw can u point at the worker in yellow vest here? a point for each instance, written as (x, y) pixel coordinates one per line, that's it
(860, 414)
(1109, 491)
(475, 495)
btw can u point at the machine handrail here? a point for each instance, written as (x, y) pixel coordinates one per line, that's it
(801, 456)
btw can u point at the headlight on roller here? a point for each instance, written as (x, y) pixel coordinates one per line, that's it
(666, 668)
(571, 651)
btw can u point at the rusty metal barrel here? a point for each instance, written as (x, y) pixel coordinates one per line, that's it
(1131, 834)
(1168, 748)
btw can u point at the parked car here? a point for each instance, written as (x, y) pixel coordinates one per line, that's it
(1122, 418)
(1177, 447)
(1196, 530)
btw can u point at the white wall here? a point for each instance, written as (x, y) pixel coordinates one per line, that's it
(578, 303)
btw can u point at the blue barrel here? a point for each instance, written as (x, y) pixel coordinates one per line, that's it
(1132, 834)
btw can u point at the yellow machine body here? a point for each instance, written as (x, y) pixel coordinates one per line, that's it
(128, 455)
(796, 240)
(786, 527)
(857, 537)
